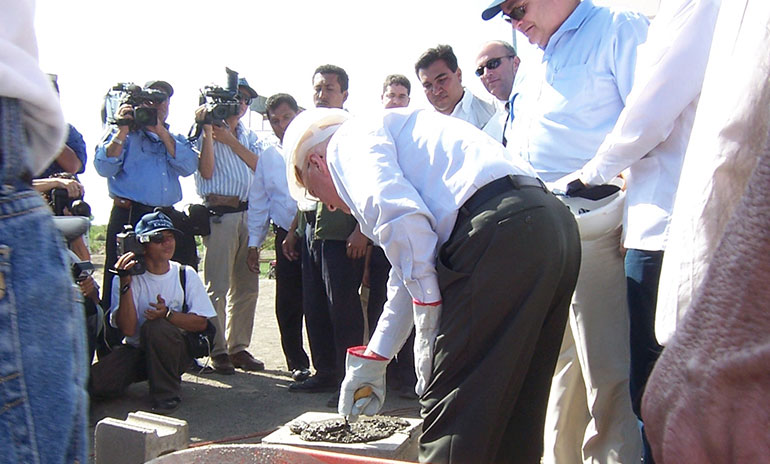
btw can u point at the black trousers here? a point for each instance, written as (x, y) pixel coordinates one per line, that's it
(401, 375)
(506, 277)
(161, 359)
(288, 305)
(333, 313)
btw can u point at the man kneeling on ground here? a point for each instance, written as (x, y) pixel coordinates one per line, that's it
(147, 308)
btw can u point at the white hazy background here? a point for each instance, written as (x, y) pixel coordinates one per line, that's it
(276, 45)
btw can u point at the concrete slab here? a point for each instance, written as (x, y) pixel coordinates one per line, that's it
(139, 438)
(400, 446)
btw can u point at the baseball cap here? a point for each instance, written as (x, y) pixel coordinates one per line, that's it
(242, 82)
(306, 130)
(153, 222)
(492, 10)
(163, 86)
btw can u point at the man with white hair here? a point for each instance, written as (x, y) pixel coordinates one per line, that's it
(451, 208)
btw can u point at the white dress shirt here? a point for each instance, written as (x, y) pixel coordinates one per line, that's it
(568, 103)
(269, 196)
(474, 110)
(405, 174)
(652, 132)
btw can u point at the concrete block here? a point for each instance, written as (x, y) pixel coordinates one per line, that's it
(139, 438)
(400, 446)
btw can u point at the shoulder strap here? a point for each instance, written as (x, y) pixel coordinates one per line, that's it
(183, 281)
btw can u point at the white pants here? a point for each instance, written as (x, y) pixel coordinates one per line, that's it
(232, 287)
(589, 417)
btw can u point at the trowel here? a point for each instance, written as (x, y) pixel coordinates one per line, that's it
(361, 397)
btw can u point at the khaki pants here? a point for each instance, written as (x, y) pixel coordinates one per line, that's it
(589, 417)
(232, 287)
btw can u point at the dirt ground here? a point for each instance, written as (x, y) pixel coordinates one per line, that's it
(244, 407)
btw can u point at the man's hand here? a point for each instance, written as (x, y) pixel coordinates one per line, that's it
(74, 188)
(252, 260)
(356, 244)
(159, 311)
(88, 288)
(363, 368)
(427, 318)
(126, 111)
(124, 263)
(289, 246)
(200, 114)
(223, 134)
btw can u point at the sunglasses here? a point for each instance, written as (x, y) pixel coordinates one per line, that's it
(517, 14)
(158, 237)
(491, 64)
(245, 99)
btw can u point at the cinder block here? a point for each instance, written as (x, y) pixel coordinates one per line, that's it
(139, 438)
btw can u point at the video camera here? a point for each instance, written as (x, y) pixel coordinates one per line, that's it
(128, 241)
(131, 94)
(221, 103)
(59, 200)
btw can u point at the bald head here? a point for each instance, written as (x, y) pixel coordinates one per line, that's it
(496, 66)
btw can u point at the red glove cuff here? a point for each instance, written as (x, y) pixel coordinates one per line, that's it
(417, 302)
(358, 351)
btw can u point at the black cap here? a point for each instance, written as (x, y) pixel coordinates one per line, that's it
(163, 86)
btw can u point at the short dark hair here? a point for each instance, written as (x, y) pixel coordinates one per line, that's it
(397, 79)
(279, 99)
(441, 52)
(342, 76)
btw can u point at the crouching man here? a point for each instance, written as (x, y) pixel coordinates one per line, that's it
(484, 259)
(148, 310)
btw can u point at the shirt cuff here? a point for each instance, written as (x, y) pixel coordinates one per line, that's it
(424, 289)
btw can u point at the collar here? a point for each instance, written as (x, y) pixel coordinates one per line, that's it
(573, 22)
(464, 104)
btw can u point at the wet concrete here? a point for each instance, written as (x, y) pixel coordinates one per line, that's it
(337, 431)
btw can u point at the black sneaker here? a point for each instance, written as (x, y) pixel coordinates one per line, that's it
(300, 374)
(166, 406)
(314, 384)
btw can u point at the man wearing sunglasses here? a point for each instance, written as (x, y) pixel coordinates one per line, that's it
(569, 103)
(228, 159)
(442, 81)
(142, 167)
(147, 308)
(496, 66)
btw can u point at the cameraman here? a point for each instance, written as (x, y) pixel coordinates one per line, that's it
(228, 158)
(147, 308)
(142, 166)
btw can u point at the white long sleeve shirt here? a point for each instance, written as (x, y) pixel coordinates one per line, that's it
(652, 133)
(405, 174)
(473, 109)
(269, 197)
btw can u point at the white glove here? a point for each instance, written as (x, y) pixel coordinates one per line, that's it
(362, 371)
(426, 324)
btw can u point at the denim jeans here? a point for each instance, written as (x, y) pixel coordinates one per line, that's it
(42, 333)
(642, 276)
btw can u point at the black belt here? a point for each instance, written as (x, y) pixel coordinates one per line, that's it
(221, 210)
(310, 217)
(498, 187)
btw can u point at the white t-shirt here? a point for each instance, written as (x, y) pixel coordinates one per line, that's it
(146, 287)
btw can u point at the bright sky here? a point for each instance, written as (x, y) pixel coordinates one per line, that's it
(276, 45)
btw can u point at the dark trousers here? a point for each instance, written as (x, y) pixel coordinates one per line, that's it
(401, 375)
(506, 277)
(161, 359)
(333, 314)
(288, 305)
(642, 277)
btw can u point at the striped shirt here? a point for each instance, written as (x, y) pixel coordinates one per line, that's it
(232, 176)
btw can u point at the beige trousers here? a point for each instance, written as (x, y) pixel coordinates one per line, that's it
(589, 417)
(232, 287)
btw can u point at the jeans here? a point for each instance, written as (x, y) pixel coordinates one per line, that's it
(42, 327)
(642, 276)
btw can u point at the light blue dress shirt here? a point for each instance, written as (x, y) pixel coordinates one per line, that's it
(570, 101)
(144, 171)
